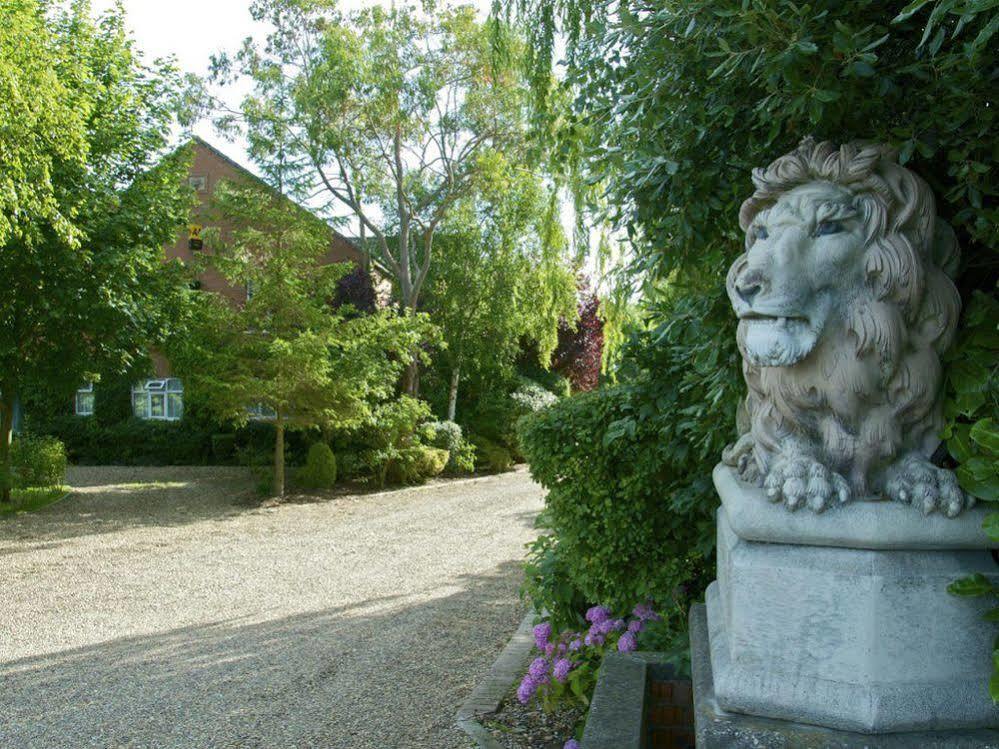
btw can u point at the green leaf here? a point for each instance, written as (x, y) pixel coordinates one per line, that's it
(986, 433)
(959, 445)
(984, 485)
(992, 615)
(910, 10)
(972, 586)
(991, 526)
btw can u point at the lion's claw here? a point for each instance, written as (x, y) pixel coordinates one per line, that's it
(928, 488)
(798, 480)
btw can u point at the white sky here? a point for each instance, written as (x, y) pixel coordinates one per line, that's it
(193, 30)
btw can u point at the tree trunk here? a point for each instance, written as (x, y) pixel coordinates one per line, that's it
(411, 378)
(278, 458)
(7, 399)
(452, 395)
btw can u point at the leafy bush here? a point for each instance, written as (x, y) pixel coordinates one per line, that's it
(414, 465)
(223, 447)
(37, 462)
(350, 465)
(531, 397)
(447, 435)
(392, 433)
(630, 505)
(130, 442)
(490, 456)
(972, 399)
(319, 471)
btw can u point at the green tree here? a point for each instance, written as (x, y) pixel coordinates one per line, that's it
(85, 208)
(389, 111)
(288, 352)
(502, 279)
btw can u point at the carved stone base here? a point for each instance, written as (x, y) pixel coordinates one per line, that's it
(718, 729)
(854, 639)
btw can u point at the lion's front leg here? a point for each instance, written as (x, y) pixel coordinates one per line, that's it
(797, 479)
(915, 481)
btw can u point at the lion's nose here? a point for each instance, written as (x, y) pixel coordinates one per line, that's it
(747, 291)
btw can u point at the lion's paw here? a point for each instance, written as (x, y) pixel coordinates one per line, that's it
(740, 456)
(799, 480)
(928, 488)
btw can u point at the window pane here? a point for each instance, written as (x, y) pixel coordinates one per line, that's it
(157, 406)
(140, 405)
(175, 404)
(84, 404)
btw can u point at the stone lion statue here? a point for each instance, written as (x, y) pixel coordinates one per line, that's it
(845, 304)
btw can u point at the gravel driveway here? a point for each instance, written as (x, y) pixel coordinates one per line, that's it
(180, 613)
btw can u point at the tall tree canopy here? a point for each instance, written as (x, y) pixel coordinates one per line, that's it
(87, 203)
(502, 278)
(388, 114)
(289, 353)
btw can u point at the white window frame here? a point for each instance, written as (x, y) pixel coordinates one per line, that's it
(260, 412)
(198, 182)
(160, 399)
(87, 391)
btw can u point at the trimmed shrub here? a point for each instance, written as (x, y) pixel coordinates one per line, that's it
(414, 465)
(37, 461)
(490, 456)
(627, 525)
(391, 432)
(319, 471)
(447, 435)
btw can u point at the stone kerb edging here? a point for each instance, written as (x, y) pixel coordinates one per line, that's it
(489, 693)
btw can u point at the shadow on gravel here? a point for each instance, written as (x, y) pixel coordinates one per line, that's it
(108, 499)
(386, 673)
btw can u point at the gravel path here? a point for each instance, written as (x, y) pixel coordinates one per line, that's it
(180, 613)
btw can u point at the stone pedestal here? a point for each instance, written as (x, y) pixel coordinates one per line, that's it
(843, 620)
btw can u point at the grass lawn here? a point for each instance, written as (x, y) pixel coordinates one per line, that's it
(35, 498)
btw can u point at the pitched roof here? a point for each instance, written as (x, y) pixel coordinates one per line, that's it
(198, 141)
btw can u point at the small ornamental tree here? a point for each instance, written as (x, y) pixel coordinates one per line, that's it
(288, 352)
(581, 345)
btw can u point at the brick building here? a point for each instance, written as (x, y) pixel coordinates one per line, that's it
(162, 397)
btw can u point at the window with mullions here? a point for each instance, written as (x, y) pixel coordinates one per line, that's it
(260, 412)
(158, 400)
(84, 402)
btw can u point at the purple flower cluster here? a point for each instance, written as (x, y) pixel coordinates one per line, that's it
(568, 651)
(552, 664)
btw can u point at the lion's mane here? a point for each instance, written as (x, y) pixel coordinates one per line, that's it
(871, 393)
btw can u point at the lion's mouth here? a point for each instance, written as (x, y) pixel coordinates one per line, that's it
(781, 321)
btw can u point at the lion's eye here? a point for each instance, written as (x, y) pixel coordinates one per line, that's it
(828, 227)
(760, 232)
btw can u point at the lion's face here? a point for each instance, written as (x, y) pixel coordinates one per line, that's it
(802, 269)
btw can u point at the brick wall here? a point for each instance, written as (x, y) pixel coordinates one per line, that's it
(670, 719)
(213, 166)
